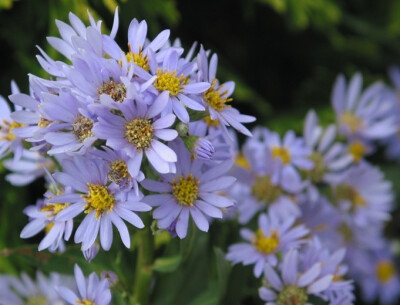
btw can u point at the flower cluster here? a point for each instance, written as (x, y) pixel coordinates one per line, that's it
(326, 204)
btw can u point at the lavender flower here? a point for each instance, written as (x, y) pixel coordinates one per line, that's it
(103, 203)
(262, 246)
(92, 291)
(191, 190)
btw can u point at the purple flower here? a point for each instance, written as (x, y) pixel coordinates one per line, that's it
(273, 235)
(203, 149)
(363, 115)
(103, 203)
(189, 191)
(288, 285)
(217, 97)
(137, 133)
(92, 291)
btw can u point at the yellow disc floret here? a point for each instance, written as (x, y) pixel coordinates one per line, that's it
(117, 91)
(210, 122)
(54, 208)
(7, 129)
(215, 98)
(169, 81)
(82, 128)
(282, 153)
(353, 122)
(98, 199)
(118, 171)
(292, 295)
(347, 192)
(85, 302)
(140, 133)
(357, 150)
(36, 300)
(385, 271)
(263, 190)
(185, 190)
(266, 244)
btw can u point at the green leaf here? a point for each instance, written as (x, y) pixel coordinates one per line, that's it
(167, 264)
(209, 297)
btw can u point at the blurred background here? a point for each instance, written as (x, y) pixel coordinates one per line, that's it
(284, 56)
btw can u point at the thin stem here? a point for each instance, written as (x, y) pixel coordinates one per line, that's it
(144, 266)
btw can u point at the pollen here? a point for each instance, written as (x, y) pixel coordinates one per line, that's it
(263, 190)
(292, 295)
(118, 171)
(353, 122)
(385, 271)
(169, 81)
(138, 58)
(82, 128)
(98, 200)
(116, 91)
(215, 98)
(347, 192)
(266, 244)
(282, 153)
(186, 190)
(241, 161)
(7, 129)
(36, 300)
(85, 302)
(54, 208)
(357, 150)
(140, 133)
(210, 122)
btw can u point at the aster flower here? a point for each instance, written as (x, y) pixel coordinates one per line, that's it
(217, 97)
(103, 203)
(363, 193)
(92, 291)
(273, 236)
(173, 77)
(289, 286)
(43, 217)
(189, 191)
(375, 271)
(137, 133)
(31, 166)
(73, 125)
(23, 290)
(329, 157)
(362, 115)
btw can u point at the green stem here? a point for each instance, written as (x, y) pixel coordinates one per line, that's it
(144, 266)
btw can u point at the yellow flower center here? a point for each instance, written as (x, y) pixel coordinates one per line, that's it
(36, 300)
(116, 91)
(169, 81)
(357, 150)
(215, 98)
(210, 122)
(7, 129)
(353, 122)
(139, 132)
(118, 171)
(82, 128)
(318, 171)
(347, 192)
(241, 161)
(54, 208)
(98, 199)
(282, 153)
(44, 122)
(139, 60)
(385, 271)
(48, 227)
(266, 244)
(185, 190)
(263, 190)
(85, 302)
(292, 295)
(346, 232)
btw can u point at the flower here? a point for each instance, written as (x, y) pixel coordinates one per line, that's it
(217, 96)
(203, 149)
(191, 190)
(92, 291)
(273, 236)
(103, 203)
(137, 132)
(289, 286)
(23, 290)
(362, 115)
